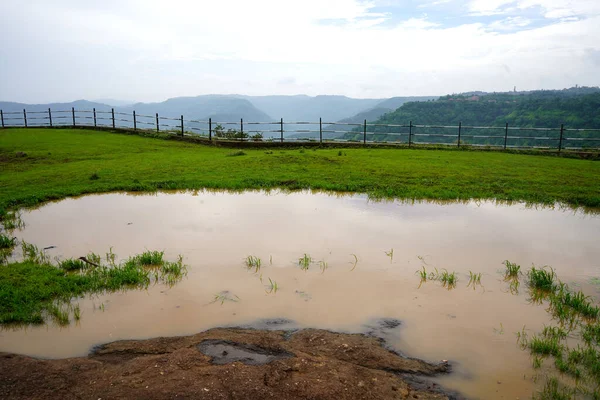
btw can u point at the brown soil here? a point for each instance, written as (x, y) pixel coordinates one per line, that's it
(308, 364)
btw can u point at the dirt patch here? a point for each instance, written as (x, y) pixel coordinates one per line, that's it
(309, 363)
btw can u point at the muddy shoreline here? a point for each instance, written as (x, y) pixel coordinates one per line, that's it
(229, 363)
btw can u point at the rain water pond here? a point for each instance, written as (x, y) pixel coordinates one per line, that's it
(361, 260)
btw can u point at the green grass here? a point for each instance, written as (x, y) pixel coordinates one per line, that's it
(574, 343)
(34, 289)
(253, 262)
(305, 261)
(72, 265)
(512, 270)
(7, 242)
(60, 163)
(542, 279)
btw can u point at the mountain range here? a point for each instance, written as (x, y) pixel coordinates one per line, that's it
(230, 108)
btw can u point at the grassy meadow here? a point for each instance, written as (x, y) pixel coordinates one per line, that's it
(37, 165)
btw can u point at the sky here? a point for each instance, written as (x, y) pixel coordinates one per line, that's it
(147, 50)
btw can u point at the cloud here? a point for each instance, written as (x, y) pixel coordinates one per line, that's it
(149, 50)
(509, 24)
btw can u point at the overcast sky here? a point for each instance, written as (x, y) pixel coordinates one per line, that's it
(146, 50)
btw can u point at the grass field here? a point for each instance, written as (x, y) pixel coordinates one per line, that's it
(37, 165)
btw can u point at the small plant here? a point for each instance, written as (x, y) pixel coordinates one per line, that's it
(72, 265)
(236, 153)
(422, 274)
(94, 258)
(305, 261)
(355, 261)
(270, 260)
(94, 176)
(390, 254)
(541, 279)
(11, 220)
(77, 312)
(59, 313)
(7, 242)
(474, 279)
(512, 270)
(340, 153)
(224, 296)
(273, 287)
(258, 137)
(499, 331)
(253, 262)
(111, 257)
(147, 258)
(323, 265)
(448, 279)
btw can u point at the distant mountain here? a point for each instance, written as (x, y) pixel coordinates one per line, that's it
(302, 108)
(221, 108)
(7, 106)
(114, 102)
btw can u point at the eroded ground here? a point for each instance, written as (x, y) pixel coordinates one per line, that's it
(309, 363)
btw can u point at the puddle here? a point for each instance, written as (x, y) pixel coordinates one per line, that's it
(472, 326)
(225, 352)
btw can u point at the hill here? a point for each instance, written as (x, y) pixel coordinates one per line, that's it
(576, 108)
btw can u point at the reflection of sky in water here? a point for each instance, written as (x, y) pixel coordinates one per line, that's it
(215, 231)
(459, 234)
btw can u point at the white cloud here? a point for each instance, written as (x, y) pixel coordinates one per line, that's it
(150, 50)
(509, 24)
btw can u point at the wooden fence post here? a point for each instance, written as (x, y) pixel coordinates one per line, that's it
(2, 117)
(459, 129)
(210, 129)
(112, 110)
(181, 125)
(320, 130)
(410, 134)
(157, 126)
(73, 115)
(50, 116)
(365, 132)
(505, 135)
(281, 130)
(134, 122)
(25, 117)
(242, 129)
(562, 129)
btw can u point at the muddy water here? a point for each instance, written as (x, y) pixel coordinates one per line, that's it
(473, 328)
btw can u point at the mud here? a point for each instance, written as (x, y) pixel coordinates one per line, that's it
(308, 363)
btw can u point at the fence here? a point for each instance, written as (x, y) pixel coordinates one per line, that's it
(559, 138)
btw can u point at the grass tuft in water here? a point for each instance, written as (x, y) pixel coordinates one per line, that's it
(305, 261)
(224, 296)
(273, 287)
(7, 242)
(512, 270)
(474, 279)
(323, 265)
(390, 254)
(354, 263)
(448, 279)
(554, 391)
(253, 262)
(541, 279)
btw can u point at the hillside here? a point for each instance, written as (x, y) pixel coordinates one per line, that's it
(576, 108)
